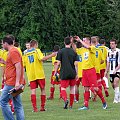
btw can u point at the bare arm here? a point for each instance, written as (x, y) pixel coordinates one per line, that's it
(2, 61)
(116, 69)
(57, 66)
(107, 69)
(76, 68)
(18, 74)
(82, 42)
(49, 56)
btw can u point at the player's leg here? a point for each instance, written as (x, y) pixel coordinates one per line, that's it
(41, 83)
(64, 85)
(116, 90)
(33, 86)
(72, 86)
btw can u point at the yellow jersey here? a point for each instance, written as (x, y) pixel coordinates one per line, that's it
(19, 50)
(79, 53)
(104, 52)
(3, 55)
(33, 64)
(98, 59)
(53, 62)
(88, 57)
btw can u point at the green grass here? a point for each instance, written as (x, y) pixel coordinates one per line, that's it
(55, 109)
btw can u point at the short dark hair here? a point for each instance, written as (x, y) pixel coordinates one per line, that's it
(78, 44)
(113, 40)
(67, 40)
(33, 43)
(102, 41)
(56, 48)
(16, 44)
(11, 36)
(8, 40)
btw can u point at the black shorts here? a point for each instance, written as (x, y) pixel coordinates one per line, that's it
(112, 76)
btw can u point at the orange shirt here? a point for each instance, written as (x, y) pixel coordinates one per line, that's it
(10, 70)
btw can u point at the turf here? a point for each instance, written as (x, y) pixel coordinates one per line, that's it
(55, 109)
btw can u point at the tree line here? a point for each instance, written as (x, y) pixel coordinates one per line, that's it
(49, 21)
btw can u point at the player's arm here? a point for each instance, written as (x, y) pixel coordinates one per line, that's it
(56, 66)
(74, 46)
(2, 61)
(108, 66)
(18, 74)
(82, 42)
(49, 56)
(102, 57)
(76, 68)
(118, 67)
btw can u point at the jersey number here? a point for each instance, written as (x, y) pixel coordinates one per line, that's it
(96, 54)
(80, 58)
(31, 59)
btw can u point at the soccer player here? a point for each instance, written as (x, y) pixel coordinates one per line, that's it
(33, 61)
(53, 82)
(104, 50)
(98, 61)
(89, 78)
(14, 78)
(113, 63)
(27, 48)
(27, 45)
(77, 46)
(67, 59)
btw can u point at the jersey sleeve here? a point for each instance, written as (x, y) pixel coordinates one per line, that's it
(92, 49)
(119, 57)
(39, 54)
(15, 57)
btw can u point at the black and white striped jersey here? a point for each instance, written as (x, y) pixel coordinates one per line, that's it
(114, 59)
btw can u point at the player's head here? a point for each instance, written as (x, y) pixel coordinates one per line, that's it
(12, 37)
(16, 44)
(27, 44)
(102, 41)
(33, 44)
(87, 40)
(93, 40)
(6, 42)
(113, 43)
(67, 40)
(78, 44)
(56, 48)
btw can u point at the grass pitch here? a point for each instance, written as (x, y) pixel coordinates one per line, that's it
(55, 109)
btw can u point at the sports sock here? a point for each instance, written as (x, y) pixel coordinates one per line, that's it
(71, 99)
(77, 96)
(52, 89)
(33, 100)
(64, 95)
(86, 98)
(43, 100)
(99, 93)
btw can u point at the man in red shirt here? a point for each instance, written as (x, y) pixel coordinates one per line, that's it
(14, 78)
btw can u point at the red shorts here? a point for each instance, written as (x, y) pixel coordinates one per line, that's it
(89, 78)
(40, 82)
(52, 81)
(102, 73)
(98, 76)
(66, 83)
(78, 81)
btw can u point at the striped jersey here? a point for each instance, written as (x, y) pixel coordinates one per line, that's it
(114, 59)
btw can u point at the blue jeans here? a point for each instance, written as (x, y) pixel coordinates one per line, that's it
(4, 99)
